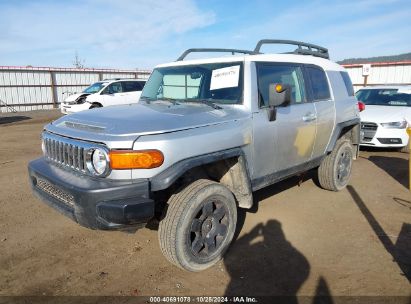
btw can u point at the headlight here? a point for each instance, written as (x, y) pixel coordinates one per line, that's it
(395, 125)
(81, 100)
(43, 147)
(98, 161)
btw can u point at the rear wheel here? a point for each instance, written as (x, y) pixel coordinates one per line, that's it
(335, 169)
(199, 225)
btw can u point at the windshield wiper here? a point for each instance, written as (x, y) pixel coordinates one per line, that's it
(206, 102)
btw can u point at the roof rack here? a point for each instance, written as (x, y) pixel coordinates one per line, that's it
(201, 50)
(303, 47)
(117, 78)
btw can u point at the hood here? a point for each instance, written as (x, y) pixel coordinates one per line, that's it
(73, 97)
(381, 114)
(133, 120)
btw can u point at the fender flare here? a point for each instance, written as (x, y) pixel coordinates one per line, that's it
(340, 127)
(166, 178)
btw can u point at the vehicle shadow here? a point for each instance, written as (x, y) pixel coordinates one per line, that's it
(379, 149)
(394, 166)
(264, 263)
(281, 186)
(12, 119)
(401, 250)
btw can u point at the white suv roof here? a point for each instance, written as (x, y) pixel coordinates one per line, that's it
(120, 79)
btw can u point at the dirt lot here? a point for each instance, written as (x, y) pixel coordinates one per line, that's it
(302, 241)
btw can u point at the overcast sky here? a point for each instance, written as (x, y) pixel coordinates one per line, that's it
(142, 33)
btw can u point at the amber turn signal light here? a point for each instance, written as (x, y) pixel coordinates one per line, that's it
(279, 88)
(131, 159)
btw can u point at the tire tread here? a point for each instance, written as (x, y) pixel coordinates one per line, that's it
(168, 226)
(326, 169)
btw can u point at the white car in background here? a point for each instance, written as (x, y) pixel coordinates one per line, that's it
(384, 120)
(104, 93)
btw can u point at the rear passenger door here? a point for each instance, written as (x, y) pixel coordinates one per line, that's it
(320, 95)
(133, 90)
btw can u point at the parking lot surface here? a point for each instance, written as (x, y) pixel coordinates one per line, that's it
(299, 240)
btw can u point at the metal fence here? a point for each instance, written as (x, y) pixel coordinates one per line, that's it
(35, 88)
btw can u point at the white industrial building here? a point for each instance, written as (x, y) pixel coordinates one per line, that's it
(379, 73)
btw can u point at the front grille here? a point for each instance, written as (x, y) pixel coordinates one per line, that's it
(65, 153)
(369, 129)
(369, 126)
(70, 153)
(55, 192)
(389, 141)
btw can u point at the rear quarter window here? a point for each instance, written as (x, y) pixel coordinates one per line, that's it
(348, 83)
(319, 83)
(131, 86)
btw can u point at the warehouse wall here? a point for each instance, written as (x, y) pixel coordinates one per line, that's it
(380, 73)
(30, 88)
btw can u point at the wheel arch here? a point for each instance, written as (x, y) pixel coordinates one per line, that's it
(228, 167)
(348, 129)
(96, 104)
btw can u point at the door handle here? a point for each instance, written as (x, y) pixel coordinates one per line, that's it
(309, 117)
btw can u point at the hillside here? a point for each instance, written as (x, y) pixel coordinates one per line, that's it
(392, 58)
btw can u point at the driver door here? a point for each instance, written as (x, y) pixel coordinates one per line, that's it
(114, 94)
(288, 140)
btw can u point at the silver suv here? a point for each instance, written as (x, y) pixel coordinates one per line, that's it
(205, 135)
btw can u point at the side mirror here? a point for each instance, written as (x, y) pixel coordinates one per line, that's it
(279, 95)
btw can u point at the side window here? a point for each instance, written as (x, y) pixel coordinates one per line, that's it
(113, 88)
(141, 84)
(319, 83)
(131, 86)
(348, 83)
(280, 73)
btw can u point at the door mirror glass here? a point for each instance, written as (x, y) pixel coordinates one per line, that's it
(279, 94)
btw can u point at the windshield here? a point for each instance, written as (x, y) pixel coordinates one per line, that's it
(384, 97)
(94, 88)
(216, 83)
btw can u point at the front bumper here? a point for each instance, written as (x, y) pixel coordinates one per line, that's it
(92, 202)
(74, 108)
(374, 135)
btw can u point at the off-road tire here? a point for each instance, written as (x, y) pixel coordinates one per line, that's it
(335, 169)
(176, 235)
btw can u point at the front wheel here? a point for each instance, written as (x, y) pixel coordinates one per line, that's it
(95, 106)
(335, 169)
(199, 225)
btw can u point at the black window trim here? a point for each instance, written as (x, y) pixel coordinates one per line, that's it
(293, 64)
(346, 85)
